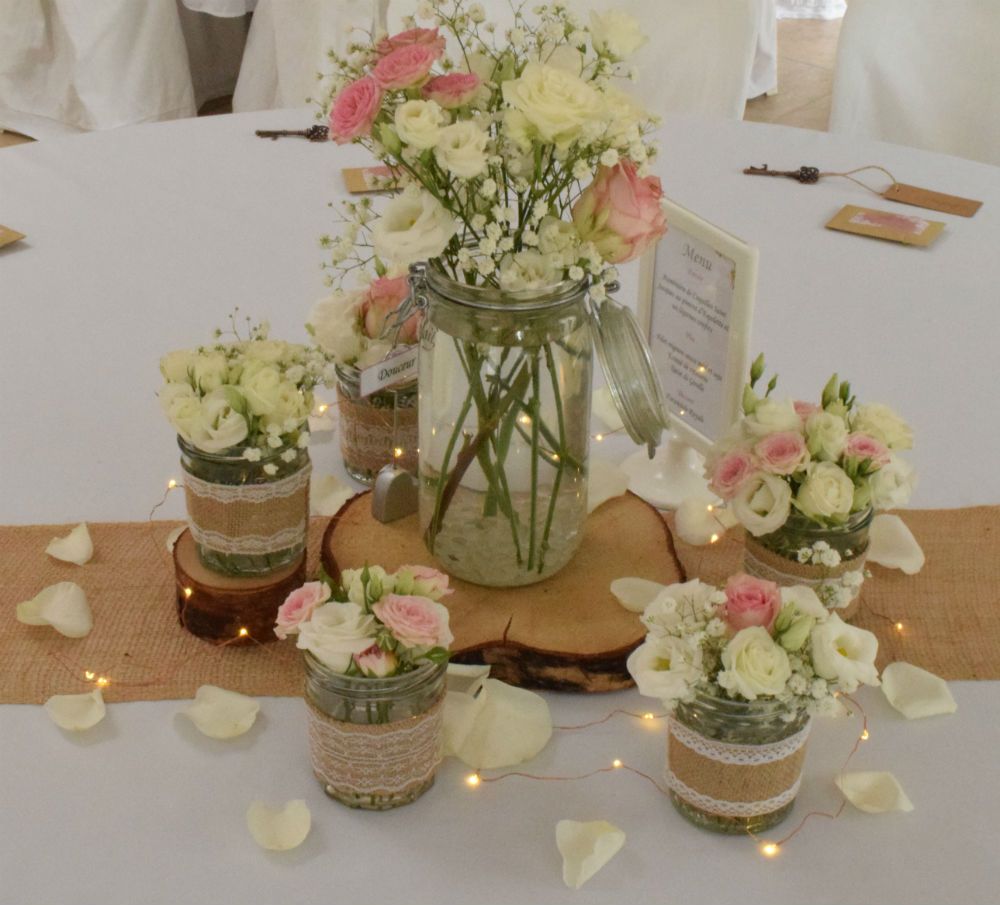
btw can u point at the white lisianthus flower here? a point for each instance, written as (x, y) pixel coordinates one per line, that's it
(882, 423)
(177, 367)
(827, 493)
(224, 425)
(528, 269)
(753, 665)
(418, 123)
(826, 436)
(772, 416)
(616, 33)
(558, 104)
(461, 149)
(665, 668)
(845, 654)
(261, 385)
(892, 484)
(335, 633)
(334, 322)
(414, 226)
(182, 407)
(762, 504)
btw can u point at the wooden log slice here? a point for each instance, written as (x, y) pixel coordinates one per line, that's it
(215, 607)
(567, 632)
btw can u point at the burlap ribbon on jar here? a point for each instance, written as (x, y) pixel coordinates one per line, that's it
(370, 434)
(379, 759)
(249, 519)
(732, 780)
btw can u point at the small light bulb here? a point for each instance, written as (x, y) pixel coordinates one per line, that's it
(555, 457)
(472, 780)
(682, 413)
(864, 735)
(598, 437)
(88, 675)
(524, 419)
(322, 407)
(243, 632)
(171, 484)
(397, 451)
(187, 593)
(713, 539)
(616, 763)
(770, 849)
(899, 626)
(103, 681)
(710, 508)
(701, 369)
(647, 716)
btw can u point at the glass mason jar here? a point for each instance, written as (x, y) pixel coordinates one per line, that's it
(375, 743)
(776, 557)
(505, 387)
(735, 766)
(376, 430)
(245, 521)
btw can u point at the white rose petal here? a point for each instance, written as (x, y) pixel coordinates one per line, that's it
(892, 544)
(175, 536)
(466, 678)
(605, 482)
(873, 792)
(279, 830)
(586, 848)
(219, 713)
(76, 712)
(635, 594)
(76, 547)
(327, 494)
(63, 606)
(915, 692)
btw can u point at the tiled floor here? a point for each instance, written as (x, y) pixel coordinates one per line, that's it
(806, 49)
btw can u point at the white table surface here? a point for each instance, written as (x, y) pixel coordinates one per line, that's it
(143, 240)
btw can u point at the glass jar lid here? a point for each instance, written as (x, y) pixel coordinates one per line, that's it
(628, 368)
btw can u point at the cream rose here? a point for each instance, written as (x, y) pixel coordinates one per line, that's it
(882, 423)
(176, 367)
(826, 436)
(224, 425)
(892, 484)
(845, 654)
(754, 665)
(182, 407)
(291, 405)
(418, 123)
(261, 385)
(665, 668)
(762, 504)
(616, 33)
(210, 370)
(557, 103)
(461, 149)
(414, 226)
(827, 493)
(335, 633)
(772, 416)
(335, 324)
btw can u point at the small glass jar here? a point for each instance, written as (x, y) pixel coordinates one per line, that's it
(375, 743)
(376, 430)
(245, 520)
(775, 557)
(735, 766)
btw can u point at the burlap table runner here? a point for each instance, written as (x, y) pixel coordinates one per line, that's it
(950, 611)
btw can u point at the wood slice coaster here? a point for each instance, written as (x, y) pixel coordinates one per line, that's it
(215, 607)
(567, 632)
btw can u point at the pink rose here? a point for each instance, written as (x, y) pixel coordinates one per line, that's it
(376, 663)
(384, 296)
(620, 213)
(805, 409)
(427, 36)
(751, 601)
(354, 110)
(414, 621)
(453, 90)
(430, 582)
(299, 606)
(731, 472)
(782, 453)
(861, 446)
(405, 67)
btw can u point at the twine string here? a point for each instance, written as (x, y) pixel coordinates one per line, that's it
(849, 175)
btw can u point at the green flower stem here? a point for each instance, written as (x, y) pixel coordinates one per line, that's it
(435, 524)
(534, 407)
(551, 366)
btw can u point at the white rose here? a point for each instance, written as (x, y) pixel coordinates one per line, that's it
(177, 366)
(827, 493)
(224, 425)
(211, 370)
(291, 404)
(844, 653)
(773, 416)
(626, 115)
(754, 665)
(418, 123)
(335, 633)
(271, 351)
(461, 149)
(558, 104)
(665, 668)
(261, 385)
(334, 322)
(518, 130)
(892, 484)
(882, 423)
(762, 504)
(528, 269)
(616, 32)
(414, 227)
(182, 406)
(826, 436)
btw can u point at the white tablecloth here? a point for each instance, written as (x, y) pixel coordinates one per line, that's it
(138, 244)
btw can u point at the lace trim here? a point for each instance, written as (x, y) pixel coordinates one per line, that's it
(743, 755)
(730, 808)
(249, 493)
(250, 545)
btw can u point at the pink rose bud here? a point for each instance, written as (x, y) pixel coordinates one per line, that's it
(751, 601)
(376, 663)
(354, 110)
(414, 621)
(805, 409)
(731, 472)
(382, 297)
(428, 36)
(453, 90)
(430, 581)
(782, 453)
(861, 446)
(405, 67)
(299, 606)
(620, 212)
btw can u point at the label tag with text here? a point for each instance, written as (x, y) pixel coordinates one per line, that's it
(400, 365)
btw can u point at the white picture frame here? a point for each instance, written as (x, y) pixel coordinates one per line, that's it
(681, 329)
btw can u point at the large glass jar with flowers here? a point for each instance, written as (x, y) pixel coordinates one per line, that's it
(375, 655)
(804, 479)
(525, 177)
(741, 671)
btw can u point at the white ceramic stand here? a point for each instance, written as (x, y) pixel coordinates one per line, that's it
(671, 476)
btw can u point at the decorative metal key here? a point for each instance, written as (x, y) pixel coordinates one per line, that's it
(313, 133)
(805, 175)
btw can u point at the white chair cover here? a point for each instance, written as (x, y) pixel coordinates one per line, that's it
(75, 65)
(921, 73)
(764, 74)
(811, 9)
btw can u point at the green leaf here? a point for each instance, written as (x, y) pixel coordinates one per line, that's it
(757, 369)
(437, 655)
(771, 384)
(829, 391)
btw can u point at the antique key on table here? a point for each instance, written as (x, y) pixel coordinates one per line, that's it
(805, 175)
(313, 133)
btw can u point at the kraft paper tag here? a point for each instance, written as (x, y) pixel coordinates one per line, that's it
(400, 365)
(359, 180)
(9, 236)
(934, 201)
(866, 221)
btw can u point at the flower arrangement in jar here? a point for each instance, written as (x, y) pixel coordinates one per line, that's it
(741, 670)
(804, 480)
(376, 651)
